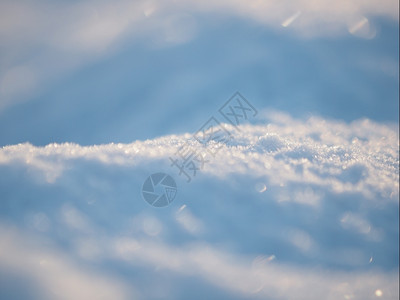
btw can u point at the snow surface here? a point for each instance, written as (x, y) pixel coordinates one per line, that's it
(288, 209)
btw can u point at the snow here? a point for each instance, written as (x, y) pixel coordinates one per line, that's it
(288, 209)
(301, 202)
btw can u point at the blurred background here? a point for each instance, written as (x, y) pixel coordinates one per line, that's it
(92, 73)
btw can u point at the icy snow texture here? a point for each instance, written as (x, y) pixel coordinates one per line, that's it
(288, 209)
(359, 157)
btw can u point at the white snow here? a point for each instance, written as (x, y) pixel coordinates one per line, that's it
(289, 209)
